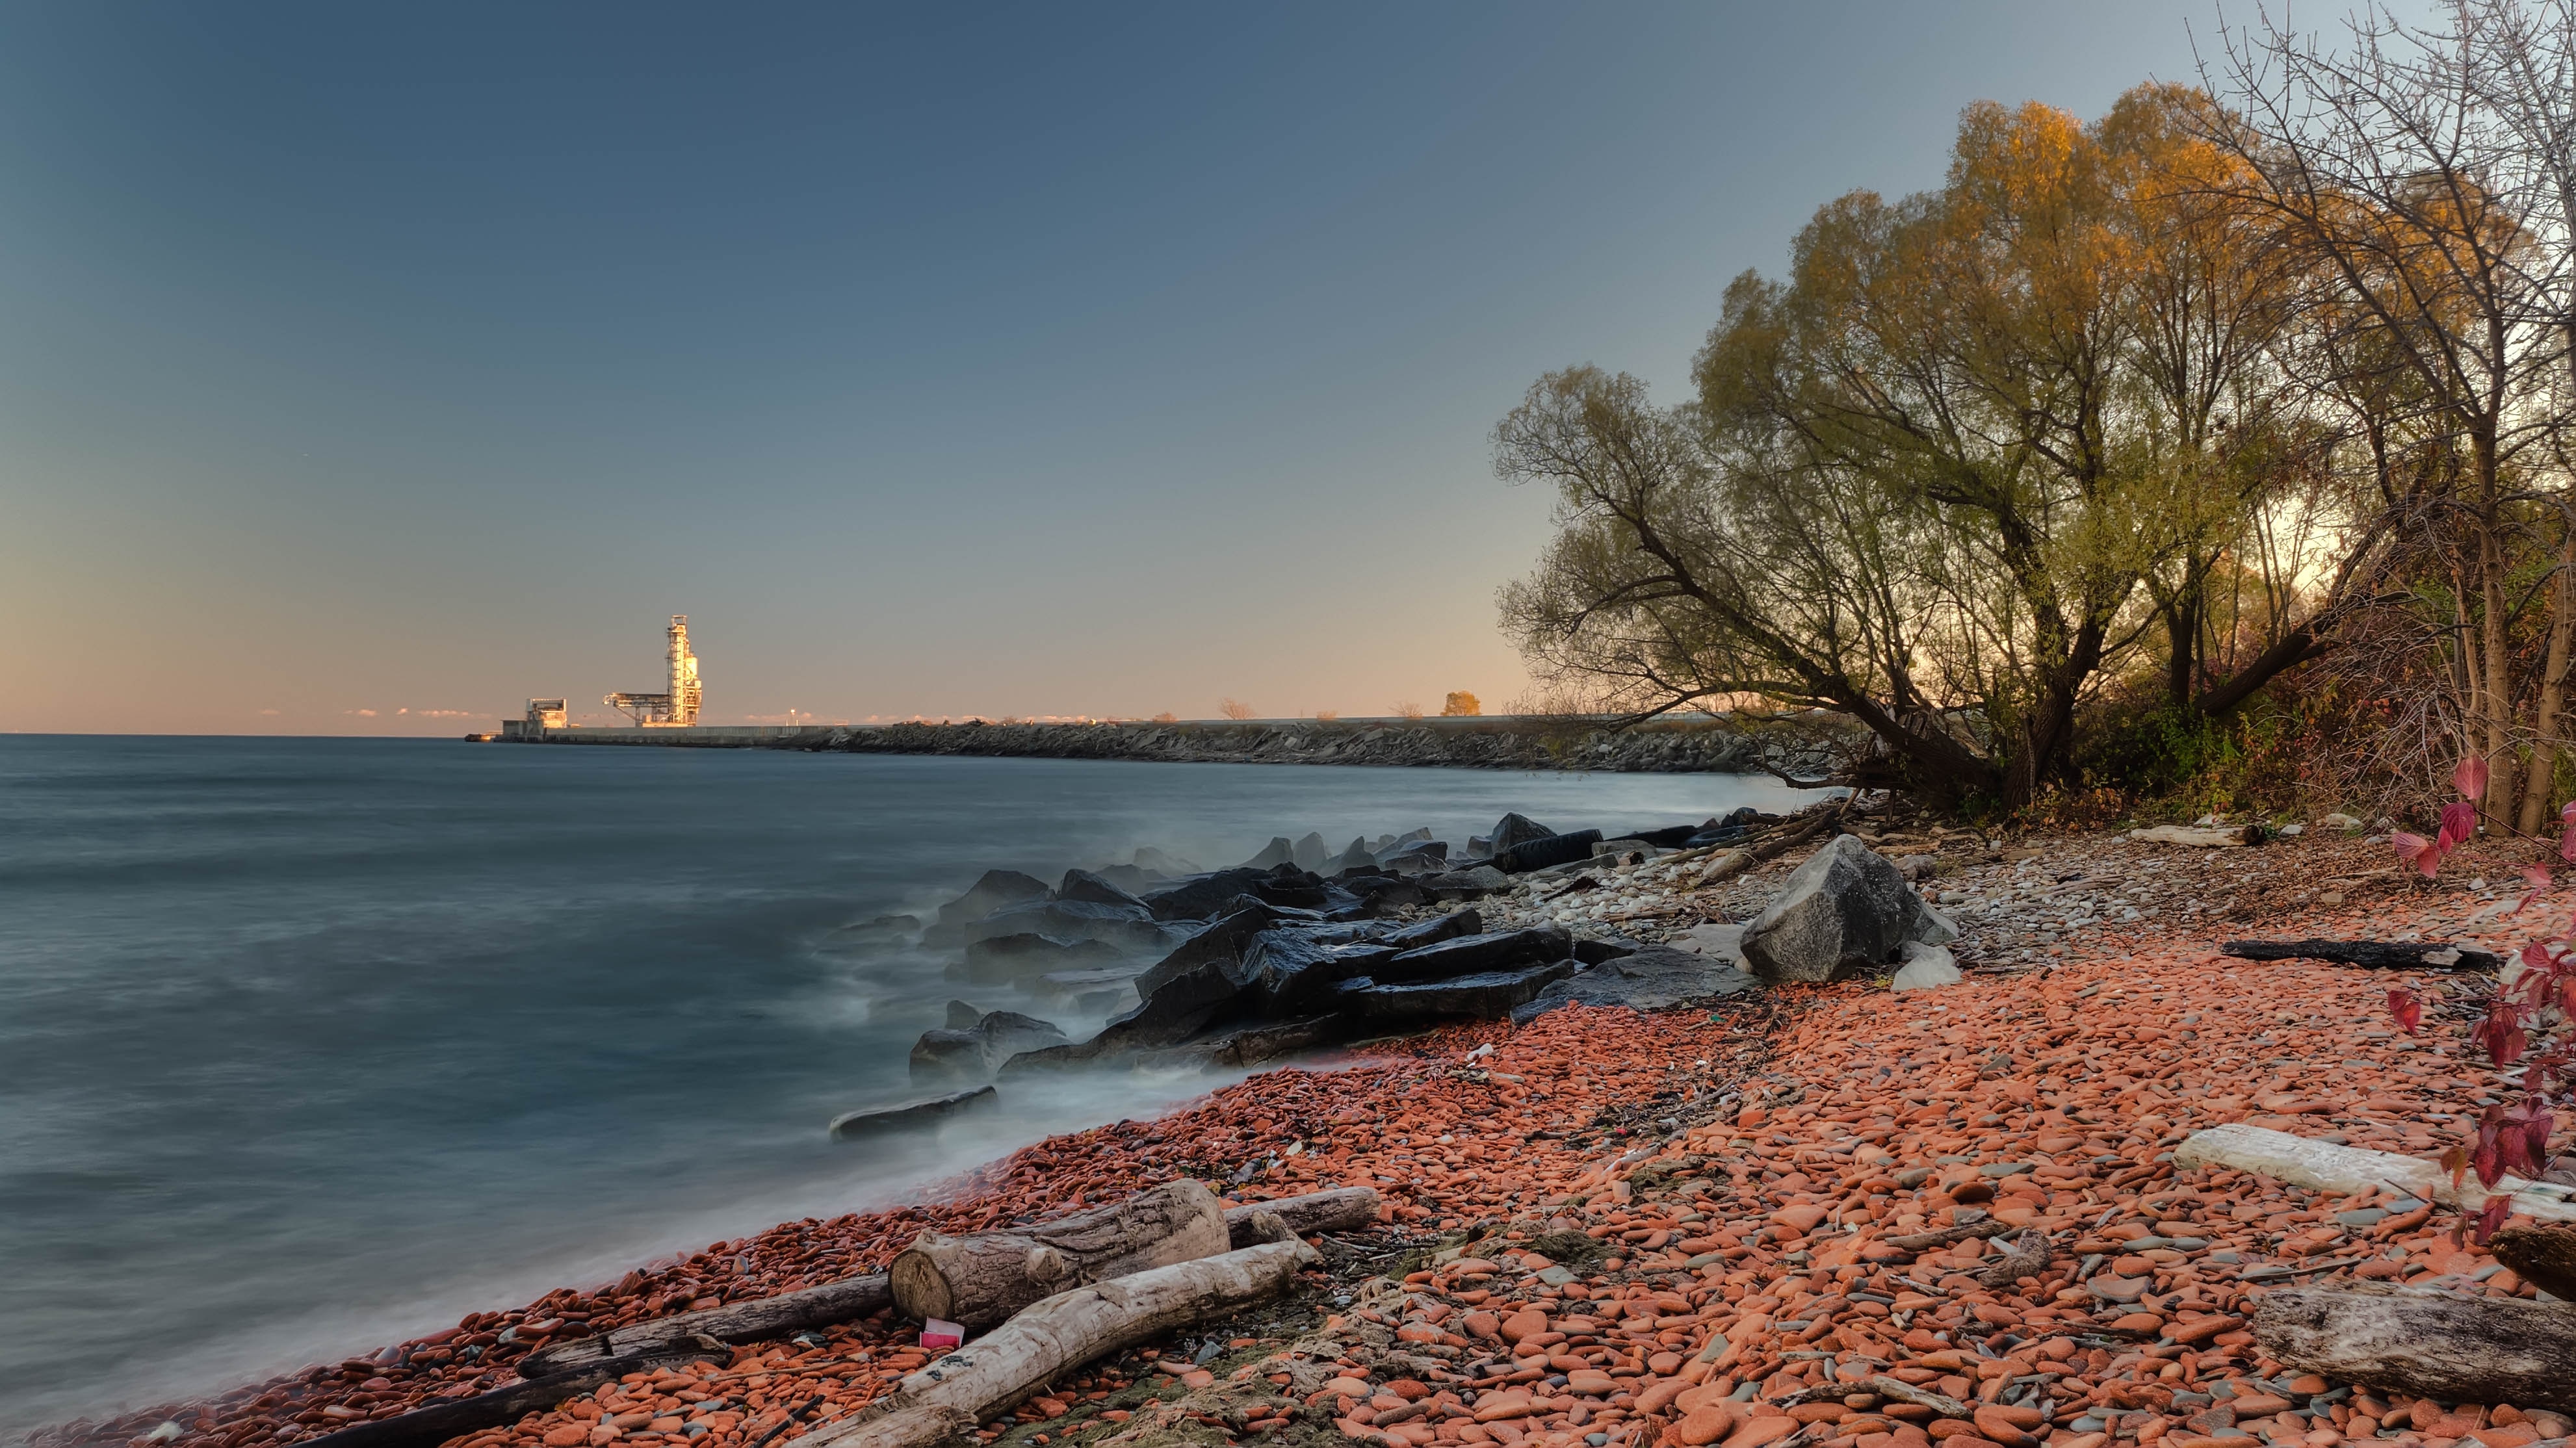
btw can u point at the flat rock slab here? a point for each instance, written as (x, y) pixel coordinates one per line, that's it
(859, 1124)
(1654, 978)
(1488, 996)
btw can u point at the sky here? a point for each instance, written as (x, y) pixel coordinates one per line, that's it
(371, 369)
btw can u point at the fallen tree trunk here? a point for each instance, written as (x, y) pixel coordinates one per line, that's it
(2328, 1167)
(2545, 1257)
(1736, 862)
(1053, 1337)
(2368, 954)
(1342, 1209)
(2206, 838)
(435, 1424)
(2425, 1341)
(842, 1301)
(978, 1280)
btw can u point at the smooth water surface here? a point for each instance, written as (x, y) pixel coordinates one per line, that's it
(306, 1044)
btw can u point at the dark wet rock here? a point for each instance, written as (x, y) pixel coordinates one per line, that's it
(1200, 896)
(1131, 927)
(884, 929)
(1163, 863)
(1543, 854)
(1484, 996)
(1516, 829)
(1376, 896)
(1846, 911)
(1671, 837)
(1280, 851)
(1465, 954)
(1287, 970)
(974, 1053)
(1249, 1045)
(1221, 939)
(1088, 990)
(1467, 884)
(1093, 886)
(860, 1124)
(1068, 1057)
(963, 1017)
(1358, 857)
(1651, 978)
(1593, 951)
(997, 889)
(1288, 885)
(1428, 857)
(1438, 928)
(1012, 957)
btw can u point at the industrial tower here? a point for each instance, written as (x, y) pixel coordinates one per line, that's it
(676, 707)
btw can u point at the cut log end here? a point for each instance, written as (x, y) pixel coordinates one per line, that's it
(2427, 1342)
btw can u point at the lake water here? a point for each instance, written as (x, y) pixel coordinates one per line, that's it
(310, 1044)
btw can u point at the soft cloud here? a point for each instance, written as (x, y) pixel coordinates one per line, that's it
(447, 714)
(361, 713)
(270, 712)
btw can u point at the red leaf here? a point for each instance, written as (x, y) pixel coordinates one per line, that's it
(2538, 878)
(2456, 1162)
(2459, 822)
(2407, 1007)
(2423, 854)
(2471, 778)
(2489, 1157)
(2491, 1218)
(2500, 1032)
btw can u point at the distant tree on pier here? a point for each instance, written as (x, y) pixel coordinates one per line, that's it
(1460, 704)
(1235, 709)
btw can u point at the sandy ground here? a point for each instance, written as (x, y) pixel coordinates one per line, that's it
(1620, 1230)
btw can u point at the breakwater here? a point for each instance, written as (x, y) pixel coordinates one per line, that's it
(1806, 745)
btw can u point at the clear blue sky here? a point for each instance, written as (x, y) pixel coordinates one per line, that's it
(972, 358)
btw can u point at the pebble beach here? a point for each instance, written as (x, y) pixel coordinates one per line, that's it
(1606, 1228)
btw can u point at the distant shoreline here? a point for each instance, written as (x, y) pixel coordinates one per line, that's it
(1723, 744)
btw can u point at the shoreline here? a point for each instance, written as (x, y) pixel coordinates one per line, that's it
(1732, 1117)
(1802, 745)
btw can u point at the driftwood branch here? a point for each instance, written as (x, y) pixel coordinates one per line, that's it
(2424, 1341)
(2028, 1256)
(1905, 1392)
(1948, 1236)
(978, 1280)
(435, 1424)
(1055, 1336)
(1342, 1209)
(2542, 1256)
(2205, 838)
(2369, 954)
(843, 1301)
(2326, 1166)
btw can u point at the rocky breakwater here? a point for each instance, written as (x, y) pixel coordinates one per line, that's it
(1232, 968)
(1807, 745)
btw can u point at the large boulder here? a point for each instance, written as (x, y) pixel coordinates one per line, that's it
(1310, 853)
(1096, 887)
(1845, 912)
(1472, 954)
(1221, 939)
(1516, 829)
(1474, 882)
(1650, 978)
(1162, 862)
(1434, 930)
(1200, 896)
(997, 889)
(1280, 851)
(1379, 895)
(1485, 996)
(1027, 953)
(1554, 850)
(1423, 857)
(975, 1053)
(1357, 857)
(1131, 927)
(859, 1125)
(1287, 970)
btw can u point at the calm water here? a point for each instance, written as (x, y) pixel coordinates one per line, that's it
(309, 1044)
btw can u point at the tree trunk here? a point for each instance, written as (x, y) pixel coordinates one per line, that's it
(2369, 954)
(2499, 687)
(2425, 1341)
(2545, 1257)
(1342, 1209)
(979, 1280)
(1057, 1335)
(2540, 780)
(842, 1301)
(435, 1424)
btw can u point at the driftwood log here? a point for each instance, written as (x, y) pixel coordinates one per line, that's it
(1004, 1367)
(2425, 1341)
(2545, 1257)
(2327, 1167)
(1342, 1209)
(2028, 1256)
(435, 1424)
(978, 1280)
(843, 1301)
(2369, 954)
(2193, 835)
(1948, 1236)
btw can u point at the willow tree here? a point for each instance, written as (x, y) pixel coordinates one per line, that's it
(1980, 447)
